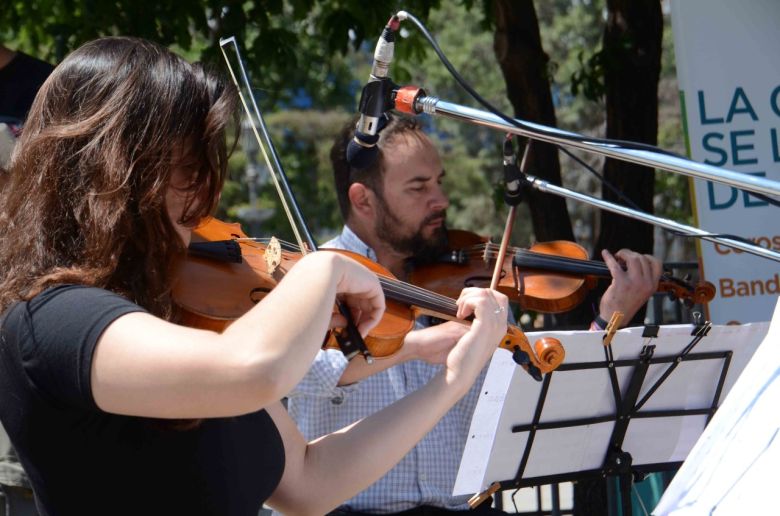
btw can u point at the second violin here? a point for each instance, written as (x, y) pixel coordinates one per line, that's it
(550, 277)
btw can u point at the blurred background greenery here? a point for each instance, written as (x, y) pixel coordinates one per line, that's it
(308, 60)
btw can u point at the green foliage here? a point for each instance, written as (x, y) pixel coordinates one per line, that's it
(290, 45)
(309, 59)
(571, 34)
(303, 140)
(589, 79)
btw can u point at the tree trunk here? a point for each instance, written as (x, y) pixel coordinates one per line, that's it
(518, 48)
(632, 64)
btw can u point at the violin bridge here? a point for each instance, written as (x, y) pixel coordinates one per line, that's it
(273, 255)
(486, 252)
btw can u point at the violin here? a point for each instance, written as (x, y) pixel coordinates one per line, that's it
(225, 273)
(549, 277)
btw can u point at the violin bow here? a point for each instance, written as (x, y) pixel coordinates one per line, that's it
(350, 341)
(267, 147)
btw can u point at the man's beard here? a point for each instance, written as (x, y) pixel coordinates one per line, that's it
(416, 245)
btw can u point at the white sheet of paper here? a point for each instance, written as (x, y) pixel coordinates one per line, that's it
(493, 451)
(732, 469)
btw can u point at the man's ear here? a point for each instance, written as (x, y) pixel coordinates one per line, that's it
(362, 200)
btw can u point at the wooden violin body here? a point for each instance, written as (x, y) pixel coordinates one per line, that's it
(550, 277)
(231, 273)
(222, 280)
(533, 289)
(226, 274)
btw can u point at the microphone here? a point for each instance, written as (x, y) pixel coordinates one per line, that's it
(513, 193)
(375, 100)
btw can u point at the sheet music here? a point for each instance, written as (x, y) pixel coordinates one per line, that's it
(732, 469)
(509, 397)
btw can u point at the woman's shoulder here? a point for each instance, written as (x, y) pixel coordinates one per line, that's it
(65, 310)
(75, 296)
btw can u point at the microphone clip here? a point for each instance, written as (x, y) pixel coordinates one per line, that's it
(376, 99)
(514, 178)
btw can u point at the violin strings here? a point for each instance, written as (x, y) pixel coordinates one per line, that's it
(403, 291)
(476, 250)
(592, 266)
(517, 250)
(412, 294)
(397, 289)
(595, 266)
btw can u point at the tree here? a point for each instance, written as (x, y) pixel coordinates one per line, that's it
(525, 67)
(632, 65)
(289, 43)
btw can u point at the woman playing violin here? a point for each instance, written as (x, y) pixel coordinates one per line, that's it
(123, 152)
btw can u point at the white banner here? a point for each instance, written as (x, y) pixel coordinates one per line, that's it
(728, 65)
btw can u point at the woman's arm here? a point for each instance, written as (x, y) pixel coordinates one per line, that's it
(429, 344)
(331, 370)
(145, 366)
(323, 473)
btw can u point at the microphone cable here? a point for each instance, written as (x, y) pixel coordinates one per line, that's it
(604, 142)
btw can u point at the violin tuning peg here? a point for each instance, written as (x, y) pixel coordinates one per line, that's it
(535, 373)
(520, 357)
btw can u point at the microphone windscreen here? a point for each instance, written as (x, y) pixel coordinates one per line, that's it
(360, 157)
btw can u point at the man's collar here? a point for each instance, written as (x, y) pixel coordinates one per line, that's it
(350, 240)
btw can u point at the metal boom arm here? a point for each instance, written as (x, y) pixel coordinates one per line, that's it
(434, 106)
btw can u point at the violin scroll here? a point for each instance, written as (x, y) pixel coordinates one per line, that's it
(681, 290)
(545, 356)
(704, 292)
(550, 352)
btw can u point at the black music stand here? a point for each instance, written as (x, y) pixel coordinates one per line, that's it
(635, 407)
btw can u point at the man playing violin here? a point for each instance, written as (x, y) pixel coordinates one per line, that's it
(395, 209)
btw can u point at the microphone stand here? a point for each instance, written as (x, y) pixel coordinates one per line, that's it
(435, 106)
(413, 100)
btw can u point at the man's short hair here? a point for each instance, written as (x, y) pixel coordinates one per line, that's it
(344, 175)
